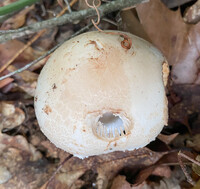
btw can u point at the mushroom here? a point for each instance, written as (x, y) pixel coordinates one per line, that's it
(94, 97)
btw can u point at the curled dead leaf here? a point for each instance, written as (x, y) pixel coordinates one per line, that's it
(10, 116)
(179, 44)
(23, 162)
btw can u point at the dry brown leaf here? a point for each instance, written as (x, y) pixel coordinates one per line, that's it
(5, 82)
(8, 50)
(65, 180)
(47, 40)
(25, 80)
(130, 23)
(158, 170)
(192, 14)
(189, 105)
(10, 116)
(162, 171)
(167, 138)
(106, 166)
(177, 40)
(17, 20)
(194, 142)
(114, 162)
(120, 183)
(23, 161)
(195, 167)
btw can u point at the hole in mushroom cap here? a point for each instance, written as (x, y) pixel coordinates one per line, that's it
(109, 126)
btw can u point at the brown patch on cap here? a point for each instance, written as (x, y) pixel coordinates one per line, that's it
(47, 109)
(54, 86)
(95, 44)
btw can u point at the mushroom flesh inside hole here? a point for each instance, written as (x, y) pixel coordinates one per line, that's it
(110, 126)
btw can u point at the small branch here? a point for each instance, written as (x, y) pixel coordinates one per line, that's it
(183, 167)
(68, 6)
(16, 6)
(58, 169)
(189, 158)
(68, 18)
(46, 54)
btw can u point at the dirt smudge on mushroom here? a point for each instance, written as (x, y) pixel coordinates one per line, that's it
(47, 109)
(54, 86)
(98, 46)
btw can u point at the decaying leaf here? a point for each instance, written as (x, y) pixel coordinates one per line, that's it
(23, 161)
(10, 48)
(167, 138)
(130, 23)
(10, 116)
(105, 166)
(194, 142)
(188, 106)
(177, 40)
(192, 14)
(120, 183)
(162, 171)
(25, 80)
(5, 82)
(172, 182)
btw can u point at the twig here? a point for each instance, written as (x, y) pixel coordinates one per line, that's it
(46, 54)
(183, 167)
(18, 5)
(69, 18)
(58, 169)
(189, 158)
(32, 40)
(21, 50)
(68, 6)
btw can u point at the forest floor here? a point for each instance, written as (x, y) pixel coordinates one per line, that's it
(29, 160)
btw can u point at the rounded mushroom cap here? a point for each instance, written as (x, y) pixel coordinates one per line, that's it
(95, 97)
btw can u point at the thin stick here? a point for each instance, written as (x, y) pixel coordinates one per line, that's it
(189, 158)
(21, 50)
(68, 6)
(58, 169)
(45, 54)
(68, 18)
(183, 167)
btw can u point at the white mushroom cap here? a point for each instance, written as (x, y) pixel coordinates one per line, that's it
(94, 96)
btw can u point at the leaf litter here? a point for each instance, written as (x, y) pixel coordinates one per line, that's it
(28, 159)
